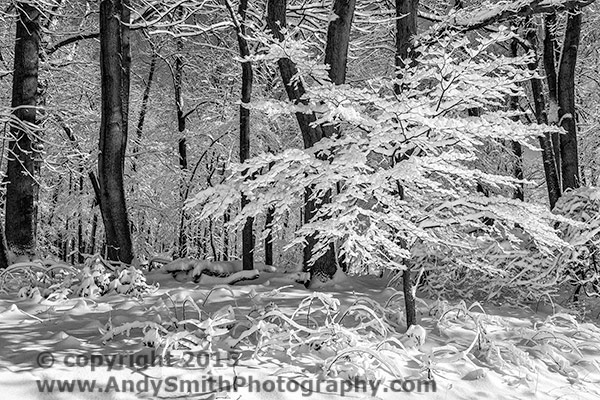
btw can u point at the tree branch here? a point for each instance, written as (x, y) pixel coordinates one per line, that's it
(465, 20)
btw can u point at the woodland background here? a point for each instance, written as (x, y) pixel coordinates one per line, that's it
(110, 128)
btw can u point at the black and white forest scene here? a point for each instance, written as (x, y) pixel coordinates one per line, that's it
(289, 199)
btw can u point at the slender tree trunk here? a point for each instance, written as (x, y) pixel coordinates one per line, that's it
(93, 234)
(518, 169)
(211, 239)
(4, 261)
(268, 227)
(406, 29)
(247, 78)
(549, 61)
(143, 110)
(181, 144)
(226, 219)
(516, 146)
(96, 190)
(80, 241)
(269, 237)
(22, 188)
(114, 69)
(566, 102)
(67, 237)
(203, 249)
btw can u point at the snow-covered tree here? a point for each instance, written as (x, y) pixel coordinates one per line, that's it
(428, 124)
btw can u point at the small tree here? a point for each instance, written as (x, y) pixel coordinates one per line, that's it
(429, 123)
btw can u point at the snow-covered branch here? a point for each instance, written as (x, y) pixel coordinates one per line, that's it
(494, 12)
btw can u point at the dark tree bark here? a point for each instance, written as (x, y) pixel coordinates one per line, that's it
(268, 226)
(115, 71)
(516, 146)
(139, 130)
(226, 245)
(181, 144)
(338, 40)
(94, 229)
(518, 169)
(80, 240)
(22, 188)
(550, 50)
(269, 237)
(66, 245)
(276, 19)
(406, 29)
(539, 105)
(336, 55)
(4, 261)
(566, 103)
(247, 77)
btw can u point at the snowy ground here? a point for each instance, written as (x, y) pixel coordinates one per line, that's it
(504, 353)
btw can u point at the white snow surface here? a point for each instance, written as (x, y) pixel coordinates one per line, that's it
(504, 353)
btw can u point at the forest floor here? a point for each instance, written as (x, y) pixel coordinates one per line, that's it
(500, 353)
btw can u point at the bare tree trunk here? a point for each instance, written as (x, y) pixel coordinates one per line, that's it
(96, 189)
(143, 110)
(549, 60)
(22, 188)
(406, 29)
(276, 20)
(269, 238)
(93, 234)
(539, 105)
(80, 241)
(203, 248)
(518, 169)
(336, 54)
(516, 146)
(115, 69)
(247, 78)
(338, 40)
(181, 144)
(4, 261)
(566, 102)
(67, 240)
(226, 219)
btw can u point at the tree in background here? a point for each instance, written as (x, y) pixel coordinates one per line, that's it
(115, 71)
(319, 258)
(239, 19)
(565, 84)
(561, 29)
(361, 38)
(22, 188)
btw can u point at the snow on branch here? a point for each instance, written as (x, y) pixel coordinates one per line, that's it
(494, 12)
